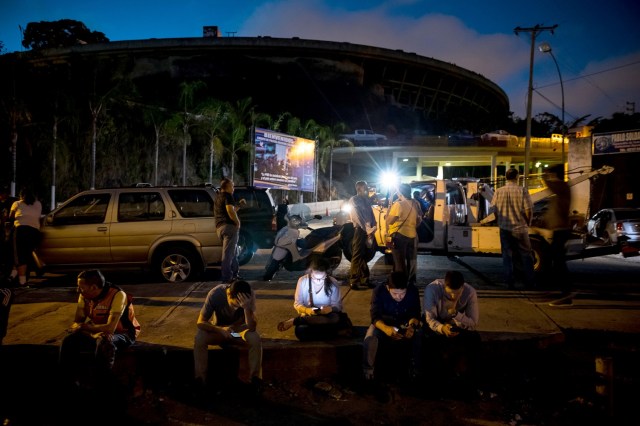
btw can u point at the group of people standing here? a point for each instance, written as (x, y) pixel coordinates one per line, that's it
(402, 221)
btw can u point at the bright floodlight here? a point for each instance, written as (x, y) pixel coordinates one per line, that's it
(388, 179)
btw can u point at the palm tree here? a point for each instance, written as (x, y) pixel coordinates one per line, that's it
(213, 114)
(184, 119)
(329, 139)
(242, 119)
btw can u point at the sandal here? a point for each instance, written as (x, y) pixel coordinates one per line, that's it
(285, 325)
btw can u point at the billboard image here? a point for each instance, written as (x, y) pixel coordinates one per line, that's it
(283, 161)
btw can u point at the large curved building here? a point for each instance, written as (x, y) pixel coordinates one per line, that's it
(405, 97)
(391, 91)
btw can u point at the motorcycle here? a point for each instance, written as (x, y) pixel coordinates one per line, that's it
(294, 253)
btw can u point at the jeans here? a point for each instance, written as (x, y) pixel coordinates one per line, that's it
(373, 339)
(102, 349)
(229, 234)
(250, 340)
(516, 243)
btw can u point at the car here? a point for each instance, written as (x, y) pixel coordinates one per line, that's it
(364, 135)
(498, 138)
(168, 230)
(616, 225)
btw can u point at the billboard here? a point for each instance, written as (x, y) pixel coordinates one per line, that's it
(283, 161)
(616, 143)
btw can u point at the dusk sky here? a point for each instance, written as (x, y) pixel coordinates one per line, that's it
(596, 43)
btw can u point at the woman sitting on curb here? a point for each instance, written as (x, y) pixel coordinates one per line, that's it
(319, 306)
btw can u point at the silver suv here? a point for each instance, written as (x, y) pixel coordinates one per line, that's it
(168, 230)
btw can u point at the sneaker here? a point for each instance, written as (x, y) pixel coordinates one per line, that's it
(565, 301)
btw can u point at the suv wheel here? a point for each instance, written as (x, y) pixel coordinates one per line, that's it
(177, 264)
(246, 248)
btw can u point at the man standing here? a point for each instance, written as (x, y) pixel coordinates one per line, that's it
(228, 230)
(556, 218)
(402, 222)
(513, 208)
(228, 318)
(364, 225)
(395, 318)
(102, 324)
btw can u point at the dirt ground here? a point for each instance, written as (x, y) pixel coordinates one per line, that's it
(550, 386)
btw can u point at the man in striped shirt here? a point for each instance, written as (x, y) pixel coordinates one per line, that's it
(513, 209)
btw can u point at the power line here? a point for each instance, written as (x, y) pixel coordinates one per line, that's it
(586, 76)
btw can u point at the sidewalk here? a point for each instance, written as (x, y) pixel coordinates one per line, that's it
(509, 321)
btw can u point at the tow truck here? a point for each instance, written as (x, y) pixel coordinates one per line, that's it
(458, 222)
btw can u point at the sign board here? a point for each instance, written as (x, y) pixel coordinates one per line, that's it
(616, 142)
(283, 161)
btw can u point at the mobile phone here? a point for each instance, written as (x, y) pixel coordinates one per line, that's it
(455, 329)
(234, 334)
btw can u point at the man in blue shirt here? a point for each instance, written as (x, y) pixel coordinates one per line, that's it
(395, 318)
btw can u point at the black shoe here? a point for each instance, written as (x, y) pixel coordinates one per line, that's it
(354, 286)
(370, 284)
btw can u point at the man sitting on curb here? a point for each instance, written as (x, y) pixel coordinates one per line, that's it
(104, 323)
(451, 314)
(228, 318)
(395, 319)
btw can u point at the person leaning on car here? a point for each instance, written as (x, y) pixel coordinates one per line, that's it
(228, 229)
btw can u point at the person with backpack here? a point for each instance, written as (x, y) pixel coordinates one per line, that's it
(104, 323)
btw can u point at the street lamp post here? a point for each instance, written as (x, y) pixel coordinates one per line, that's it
(527, 143)
(546, 48)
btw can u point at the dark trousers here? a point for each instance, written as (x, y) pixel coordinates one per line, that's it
(517, 244)
(457, 355)
(404, 255)
(559, 272)
(317, 327)
(375, 337)
(100, 352)
(6, 298)
(359, 272)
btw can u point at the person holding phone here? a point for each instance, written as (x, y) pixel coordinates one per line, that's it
(395, 320)
(451, 316)
(318, 304)
(228, 318)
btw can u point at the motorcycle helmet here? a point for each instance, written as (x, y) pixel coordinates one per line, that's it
(296, 222)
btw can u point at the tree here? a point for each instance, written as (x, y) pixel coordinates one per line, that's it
(183, 120)
(62, 33)
(214, 115)
(329, 139)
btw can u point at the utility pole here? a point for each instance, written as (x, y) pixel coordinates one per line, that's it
(527, 144)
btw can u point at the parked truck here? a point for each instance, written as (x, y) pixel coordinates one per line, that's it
(458, 222)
